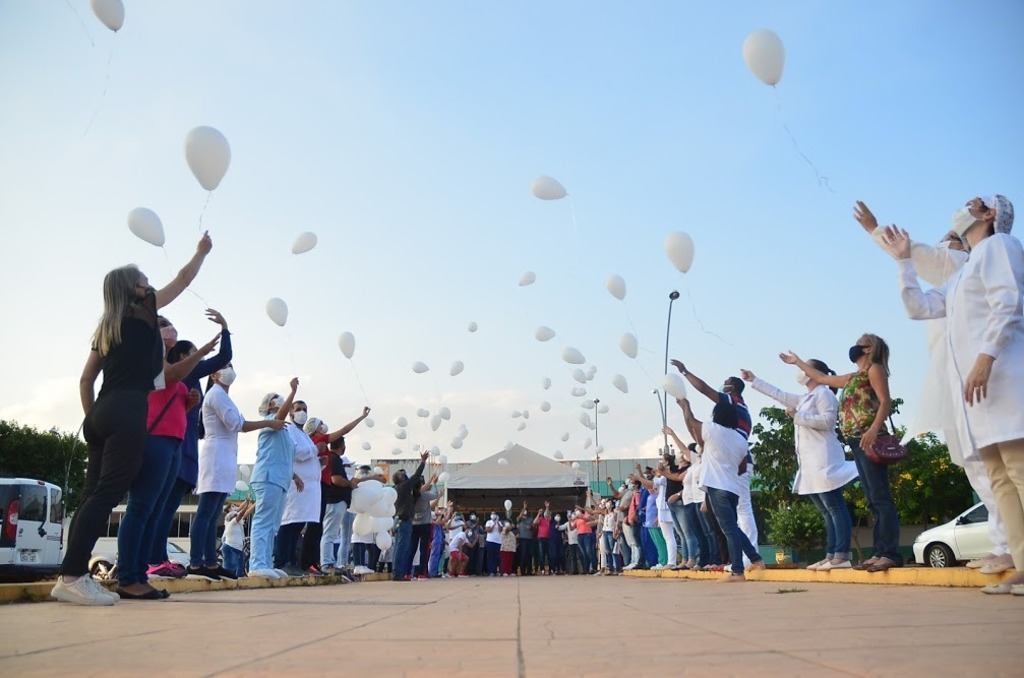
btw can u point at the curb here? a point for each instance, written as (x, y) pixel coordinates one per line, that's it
(949, 577)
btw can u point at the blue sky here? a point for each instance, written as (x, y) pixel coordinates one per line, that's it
(406, 135)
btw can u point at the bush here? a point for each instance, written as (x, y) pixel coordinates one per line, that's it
(55, 457)
(798, 526)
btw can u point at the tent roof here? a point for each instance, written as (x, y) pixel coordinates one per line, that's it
(525, 469)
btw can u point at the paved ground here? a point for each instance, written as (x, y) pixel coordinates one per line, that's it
(564, 626)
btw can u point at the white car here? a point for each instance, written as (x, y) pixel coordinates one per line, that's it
(103, 564)
(961, 539)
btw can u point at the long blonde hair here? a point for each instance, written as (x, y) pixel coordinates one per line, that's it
(879, 351)
(118, 296)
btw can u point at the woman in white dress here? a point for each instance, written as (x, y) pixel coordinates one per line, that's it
(218, 471)
(823, 470)
(983, 304)
(302, 503)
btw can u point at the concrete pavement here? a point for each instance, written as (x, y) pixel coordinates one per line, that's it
(536, 626)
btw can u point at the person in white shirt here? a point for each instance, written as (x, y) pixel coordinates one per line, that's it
(302, 502)
(492, 544)
(233, 544)
(725, 450)
(457, 557)
(983, 304)
(823, 470)
(573, 555)
(657, 487)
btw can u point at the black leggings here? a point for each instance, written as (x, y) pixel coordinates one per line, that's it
(115, 431)
(421, 541)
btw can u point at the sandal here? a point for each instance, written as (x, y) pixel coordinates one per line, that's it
(882, 565)
(865, 564)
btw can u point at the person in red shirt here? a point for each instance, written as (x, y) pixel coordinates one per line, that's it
(542, 523)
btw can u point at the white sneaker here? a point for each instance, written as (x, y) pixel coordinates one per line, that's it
(84, 591)
(362, 569)
(834, 565)
(269, 574)
(817, 565)
(658, 567)
(628, 567)
(281, 574)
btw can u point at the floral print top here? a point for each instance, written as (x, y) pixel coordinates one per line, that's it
(859, 406)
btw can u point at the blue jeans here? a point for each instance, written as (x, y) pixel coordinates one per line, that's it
(697, 543)
(493, 555)
(233, 560)
(650, 549)
(724, 504)
(165, 519)
(678, 526)
(609, 549)
(345, 548)
(136, 533)
(552, 547)
(203, 534)
(838, 527)
(875, 480)
(436, 550)
(265, 521)
(333, 522)
(588, 545)
(401, 554)
(713, 555)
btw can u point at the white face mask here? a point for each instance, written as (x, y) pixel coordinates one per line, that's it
(962, 221)
(494, 516)
(802, 378)
(275, 403)
(300, 417)
(226, 376)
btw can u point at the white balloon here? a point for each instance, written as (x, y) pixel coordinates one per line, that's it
(456, 368)
(616, 286)
(587, 443)
(521, 426)
(516, 414)
(241, 486)
(110, 12)
(572, 356)
(366, 494)
(208, 155)
(384, 540)
(508, 504)
(585, 419)
(619, 382)
(435, 450)
(391, 494)
(445, 413)
(545, 383)
(503, 461)
(565, 437)
(419, 368)
(765, 55)
(543, 333)
(444, 475)
(629, 345)
(579, 391)
(576, 466)
(304, 243)
(382, 508)
(674, 385)
(472, 327)
(546, 188)
(443, 460)
(369, 423)
(401, 422)
(400, 434)
(456, 443)
(363, 524)
(382, 524)
(397, 452)
(679, 248)
(527, 278)
(558, 454)
(599, 450)
(422, 413)
(591, 371)
(245, 472)
(415, 447)
(545, 406)
(587, 404)
(378, 470)
(579, 375)
(366, 446)
(145, 224)
(278, 311)
(526, 414)
(435, 422)
(603, 409)
(463, 431)
(347, 344)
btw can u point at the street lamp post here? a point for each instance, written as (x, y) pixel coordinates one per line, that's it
(597, 442)
(663, 403)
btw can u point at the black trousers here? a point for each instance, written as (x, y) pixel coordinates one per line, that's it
(115, 432)
(421, 541)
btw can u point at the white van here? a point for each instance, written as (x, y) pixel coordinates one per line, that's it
(31, 527)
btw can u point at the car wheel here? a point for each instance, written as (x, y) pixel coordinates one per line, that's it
(102, 569)
(939, 555)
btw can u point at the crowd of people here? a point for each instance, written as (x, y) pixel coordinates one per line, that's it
(691, 511)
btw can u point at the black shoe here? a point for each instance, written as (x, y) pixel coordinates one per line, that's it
(225, 573)
(152, 594)
(202, 573)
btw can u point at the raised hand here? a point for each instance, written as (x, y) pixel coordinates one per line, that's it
(205, 244)
(896, 242)
(215, 316)
(864, 217)
(790, 358)
(748, 375)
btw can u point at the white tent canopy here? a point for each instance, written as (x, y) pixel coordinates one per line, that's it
(525, 470)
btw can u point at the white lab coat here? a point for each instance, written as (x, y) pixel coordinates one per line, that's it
(983, 304)
(218, 454)
(303, 507)
(822, 460)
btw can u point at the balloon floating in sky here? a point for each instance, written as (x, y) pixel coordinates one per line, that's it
(545, 406)
(576, 466)
(472, 327)
(587, 443)
(456, 368)
(435, 422)
(603, 409)
(456, 443)
(679, 248)
(587, 404)
(545, 383)
(674, 385)
(572, 356)
(208, 155)
(145, 224)
(546, 188)
(521, 426)
(543, 333)
(765, 56)
(629, 345)
(463, 431)
(508, 502)
(397, 452)
(445, 414)
(584, 419)
(347, 344)
(443, 478)
(527, 278)
(616, 287)
(242, 486)
(368, 422)
(502, 461)
(579, 391)
(516, 414)
(558, 455)
(422, 413)
(565, 437)
(366, 446)
(304, 243)
(401, 422)
(579, 375)
(400, 433)
(110, 12)
(419, 368)
(277, 310)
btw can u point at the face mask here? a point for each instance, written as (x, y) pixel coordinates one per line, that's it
(962, 221)
(226, 376)
(300, 417)
(856, 352)
(275, 403)
(494, 516)
(558, 519)
(472, 516)
(802, 379)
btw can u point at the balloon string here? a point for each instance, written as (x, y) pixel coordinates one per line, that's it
(103, 95)
(209, 194)
(82, 23)
(291, 351)
(822, 180)
(693, 307)
(359, 382)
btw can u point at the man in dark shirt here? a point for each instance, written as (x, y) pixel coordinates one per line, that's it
(405, 485)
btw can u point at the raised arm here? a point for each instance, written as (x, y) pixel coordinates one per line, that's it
(919, 305)
(419, 469)
(347, 428)
(612, 489)
(87, 382)
(694, 425)
(680, 445)
(696, 382)
(181, 369)
(286, 407)
(639, 475)
(833, 380)
(224, 355)
(186, 275)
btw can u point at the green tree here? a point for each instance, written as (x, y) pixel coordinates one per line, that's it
(55, 457)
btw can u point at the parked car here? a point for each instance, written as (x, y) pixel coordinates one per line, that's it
(961, 539)
(31, 528)
(103, 564)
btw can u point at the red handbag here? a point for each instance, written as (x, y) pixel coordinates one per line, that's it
(887, 449)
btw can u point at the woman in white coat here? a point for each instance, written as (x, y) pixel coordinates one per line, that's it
(823, 470)
(218, 472)
(302, 503)
(983, 304)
